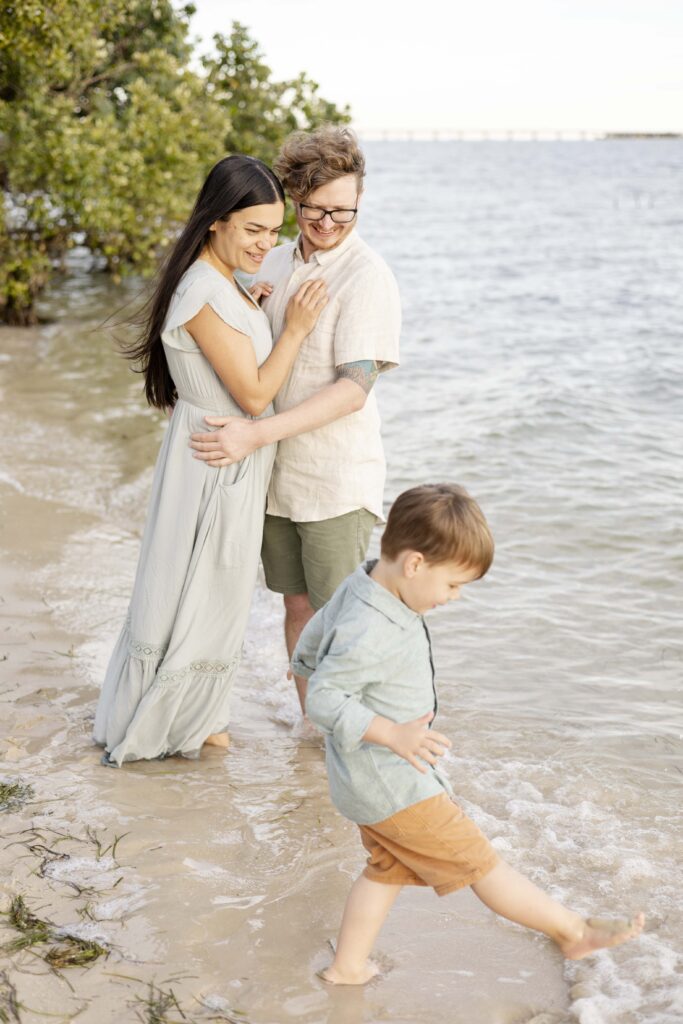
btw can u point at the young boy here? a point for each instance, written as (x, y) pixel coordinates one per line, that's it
(367, 656)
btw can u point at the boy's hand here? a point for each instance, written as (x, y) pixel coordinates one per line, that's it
(261, 290)
(413, 741)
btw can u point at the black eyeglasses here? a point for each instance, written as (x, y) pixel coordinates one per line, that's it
(338, 216)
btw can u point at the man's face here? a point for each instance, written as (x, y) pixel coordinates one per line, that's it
(321, 235)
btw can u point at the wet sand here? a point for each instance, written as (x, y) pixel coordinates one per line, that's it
(230, 874)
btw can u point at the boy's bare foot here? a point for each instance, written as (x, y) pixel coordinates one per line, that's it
(334, 976)
(218, 739)
(601, 934)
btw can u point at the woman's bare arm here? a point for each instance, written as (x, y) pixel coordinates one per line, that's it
(232, 356)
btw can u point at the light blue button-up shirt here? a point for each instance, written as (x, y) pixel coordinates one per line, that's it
(365, 653)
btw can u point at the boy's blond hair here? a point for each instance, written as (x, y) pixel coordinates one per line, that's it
(308, 160)
(443, 523)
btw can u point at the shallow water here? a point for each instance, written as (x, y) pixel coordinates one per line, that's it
(541, 368)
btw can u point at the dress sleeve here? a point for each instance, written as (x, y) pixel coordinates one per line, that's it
(190, 297)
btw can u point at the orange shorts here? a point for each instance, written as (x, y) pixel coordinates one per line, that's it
(430, 843)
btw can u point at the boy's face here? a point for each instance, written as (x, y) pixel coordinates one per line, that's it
(426, 585)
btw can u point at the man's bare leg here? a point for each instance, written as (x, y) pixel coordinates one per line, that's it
(366, 909)
(298, 611)
(513, 896)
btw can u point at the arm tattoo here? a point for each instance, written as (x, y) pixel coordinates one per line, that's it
(364, 372)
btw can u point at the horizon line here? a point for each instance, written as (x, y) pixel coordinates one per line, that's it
(509, 134)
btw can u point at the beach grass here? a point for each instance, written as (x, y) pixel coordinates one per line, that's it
(42, 842)
(14, 793)
(228, 1016)
(158, 1004)
(9, 1004)
(66, 949)
(161, 1006)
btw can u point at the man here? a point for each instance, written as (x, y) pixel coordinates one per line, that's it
(326, 490)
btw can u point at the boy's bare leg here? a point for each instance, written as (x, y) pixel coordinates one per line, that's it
(513, 896)
(298, 610)
(365, 912)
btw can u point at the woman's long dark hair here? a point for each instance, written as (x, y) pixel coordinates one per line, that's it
(235, 183)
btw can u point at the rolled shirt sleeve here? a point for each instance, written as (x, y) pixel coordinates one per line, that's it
(348, 664)
(307, 647)
(369, 322)
(371, 656)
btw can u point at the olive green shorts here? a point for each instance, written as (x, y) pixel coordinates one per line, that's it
(314, 558)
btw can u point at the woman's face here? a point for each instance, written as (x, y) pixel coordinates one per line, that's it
(242, 241)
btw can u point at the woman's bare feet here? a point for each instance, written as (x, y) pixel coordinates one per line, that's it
(334, 976)
(218, 739)
(600, 934)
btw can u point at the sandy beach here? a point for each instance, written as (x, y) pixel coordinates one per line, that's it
(215, 886)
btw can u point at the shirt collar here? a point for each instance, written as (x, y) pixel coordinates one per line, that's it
(323, 258)
(377, 596)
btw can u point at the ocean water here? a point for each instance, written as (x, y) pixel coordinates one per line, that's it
(542, 368)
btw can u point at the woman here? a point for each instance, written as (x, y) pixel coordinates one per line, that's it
(205, 342)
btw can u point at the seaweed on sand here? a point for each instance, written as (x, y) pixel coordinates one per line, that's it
(68, 950)
(224, 1013)
(14, 793)
(9, 1005)
(158, 1005)
(74, 952)
(100, 849)
(36, 842)
(33, 930)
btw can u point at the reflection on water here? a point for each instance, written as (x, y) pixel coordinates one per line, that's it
(542, 369)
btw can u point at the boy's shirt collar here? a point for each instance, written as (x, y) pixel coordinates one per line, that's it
(379, 597)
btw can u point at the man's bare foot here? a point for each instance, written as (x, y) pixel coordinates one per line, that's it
(218, 739)
(601, 934)
(334, 976)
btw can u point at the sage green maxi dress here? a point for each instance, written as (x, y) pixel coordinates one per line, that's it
(168, 683)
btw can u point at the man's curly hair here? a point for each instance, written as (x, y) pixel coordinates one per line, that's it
(308, 160)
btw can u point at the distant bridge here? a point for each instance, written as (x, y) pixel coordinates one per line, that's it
(501, 134)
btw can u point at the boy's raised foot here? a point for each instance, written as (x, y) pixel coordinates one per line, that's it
(601, 934)
(334, 976)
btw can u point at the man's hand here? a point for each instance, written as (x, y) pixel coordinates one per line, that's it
(235, 439)
(413, 741)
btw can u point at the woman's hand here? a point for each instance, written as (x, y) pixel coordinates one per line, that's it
(235, 439)
(304, 308)
(261, 290)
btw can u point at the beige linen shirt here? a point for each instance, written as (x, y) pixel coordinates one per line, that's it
(339, 467)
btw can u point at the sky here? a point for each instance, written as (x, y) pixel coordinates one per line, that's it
(489, 65)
